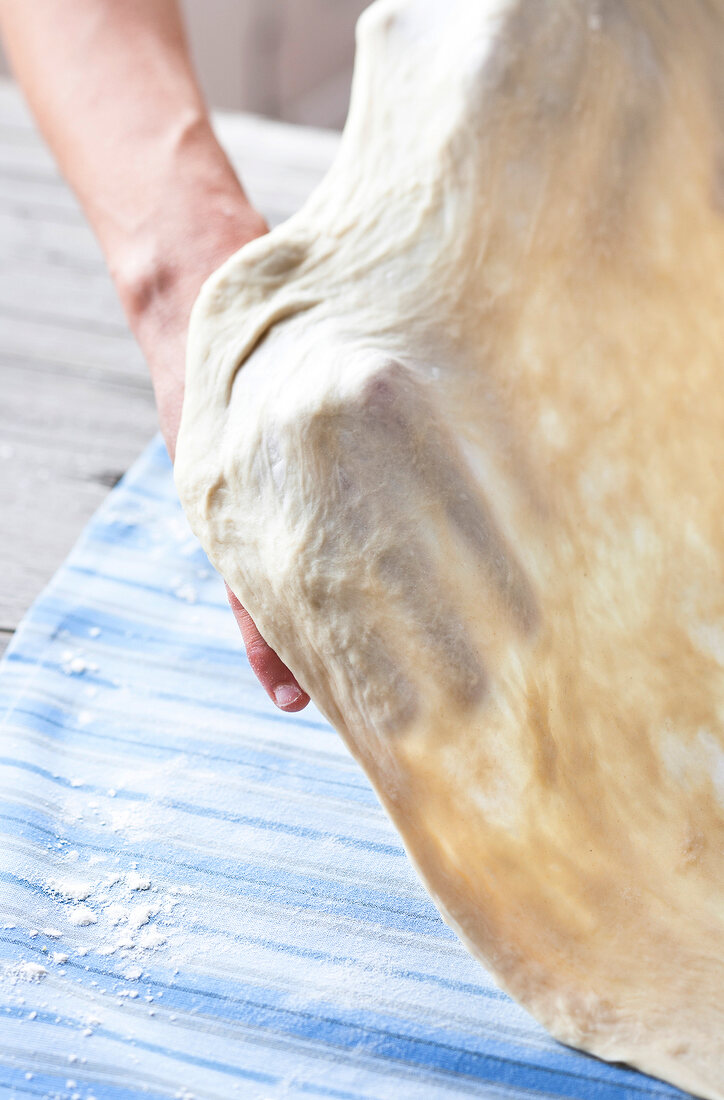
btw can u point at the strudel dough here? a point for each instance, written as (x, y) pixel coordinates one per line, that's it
(454, 434)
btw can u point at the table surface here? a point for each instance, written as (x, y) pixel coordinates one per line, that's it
(77, 405)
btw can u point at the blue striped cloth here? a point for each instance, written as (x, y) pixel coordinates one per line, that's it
(201, 897)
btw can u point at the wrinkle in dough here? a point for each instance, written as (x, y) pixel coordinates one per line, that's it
(453, 435)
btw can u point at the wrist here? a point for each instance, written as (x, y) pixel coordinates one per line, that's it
(158, 290)
(160, 274)
(200, 219)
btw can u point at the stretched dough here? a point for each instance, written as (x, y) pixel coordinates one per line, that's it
(454, 435)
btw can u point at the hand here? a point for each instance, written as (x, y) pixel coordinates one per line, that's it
(158, 306)
(270, 670)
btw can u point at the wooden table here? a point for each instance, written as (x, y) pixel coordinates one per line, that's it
(75, 400)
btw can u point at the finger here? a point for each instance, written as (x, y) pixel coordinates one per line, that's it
(271, 672)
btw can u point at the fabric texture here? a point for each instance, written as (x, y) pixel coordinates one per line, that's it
(201, 896)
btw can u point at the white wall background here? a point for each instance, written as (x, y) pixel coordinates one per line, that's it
(289, 59)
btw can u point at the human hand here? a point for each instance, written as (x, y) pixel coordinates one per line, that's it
(158, 304)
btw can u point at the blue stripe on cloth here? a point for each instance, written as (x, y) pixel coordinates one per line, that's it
(200, 896)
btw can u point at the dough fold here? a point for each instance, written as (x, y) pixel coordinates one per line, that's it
(454, 436)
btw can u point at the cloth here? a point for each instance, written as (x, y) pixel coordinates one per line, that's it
(200, 897)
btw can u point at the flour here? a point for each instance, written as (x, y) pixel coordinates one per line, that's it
(70, 889)
(186, 592)
(81, 916)
(28, 972)
(140, 915)
(74, 664)
(135, 881)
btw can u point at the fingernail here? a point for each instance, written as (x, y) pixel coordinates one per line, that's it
(286, 694)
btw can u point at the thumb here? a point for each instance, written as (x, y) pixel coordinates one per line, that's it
(269, 669)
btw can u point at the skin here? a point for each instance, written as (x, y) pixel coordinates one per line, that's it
(114, 93)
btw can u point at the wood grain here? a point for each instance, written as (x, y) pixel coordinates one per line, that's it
(77, 405)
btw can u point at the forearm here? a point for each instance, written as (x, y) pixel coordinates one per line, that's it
(114, 92)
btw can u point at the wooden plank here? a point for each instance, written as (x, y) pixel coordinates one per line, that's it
(28, 186)
(29, 234)
(31, 335)
(64, 443)
(67, 295)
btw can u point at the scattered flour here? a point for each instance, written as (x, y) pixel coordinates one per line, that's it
(186, 592)
(70, 889)
(150, 939)
(137, 882)
(73, 664)
(82, 916)
(140, 915)
(115, 913)
(30, 971)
